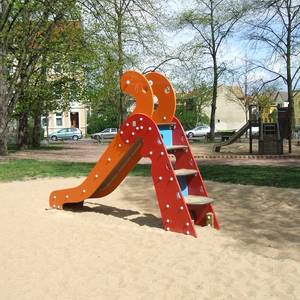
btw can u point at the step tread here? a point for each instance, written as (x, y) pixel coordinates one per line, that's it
(185, 172)
(166, 124)
(196, 199)
(175, 147)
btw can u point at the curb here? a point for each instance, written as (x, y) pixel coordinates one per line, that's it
(247, 156)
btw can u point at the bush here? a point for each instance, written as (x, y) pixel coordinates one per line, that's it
(189, 119)
(97, 122)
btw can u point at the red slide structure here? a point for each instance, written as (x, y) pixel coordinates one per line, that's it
(180, 190)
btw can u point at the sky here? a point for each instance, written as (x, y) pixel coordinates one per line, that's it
(234, 51)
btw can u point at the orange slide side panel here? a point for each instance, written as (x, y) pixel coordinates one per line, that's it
(119, 157)
(122, 170)
(107, 166)
(166, 95)
(136, 85)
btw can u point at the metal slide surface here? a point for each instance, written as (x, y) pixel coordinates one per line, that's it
(233, 138)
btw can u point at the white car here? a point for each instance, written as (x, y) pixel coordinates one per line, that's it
(108, 133)
(200, 130)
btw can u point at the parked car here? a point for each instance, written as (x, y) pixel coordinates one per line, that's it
(107, 133)
(66, 134)
(200, 130)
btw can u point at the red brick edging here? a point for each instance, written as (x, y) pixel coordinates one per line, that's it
(250, 156)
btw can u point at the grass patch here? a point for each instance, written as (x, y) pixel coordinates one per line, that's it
(30, 168)
(287, 177)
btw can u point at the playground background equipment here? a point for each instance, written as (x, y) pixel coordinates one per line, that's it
(274, 126)
(233, 138)
(180, 190)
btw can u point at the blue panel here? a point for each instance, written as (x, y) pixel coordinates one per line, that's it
(167, 134)
(183, 185)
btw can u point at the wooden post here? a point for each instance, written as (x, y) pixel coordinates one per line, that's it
(250, 138)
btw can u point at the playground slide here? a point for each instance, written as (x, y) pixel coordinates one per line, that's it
(232, 139)
(113, 166)
(180, 190)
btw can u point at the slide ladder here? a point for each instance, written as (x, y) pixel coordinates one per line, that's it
(180, 190)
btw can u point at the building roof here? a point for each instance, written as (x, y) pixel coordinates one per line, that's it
(280, 96)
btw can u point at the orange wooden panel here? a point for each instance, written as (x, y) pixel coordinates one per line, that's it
(135, 84)
(108, 163)
(165, 93)
(119, 158)
(117, 176)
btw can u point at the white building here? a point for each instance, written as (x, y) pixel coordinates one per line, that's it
(230, 113)
(75, 117)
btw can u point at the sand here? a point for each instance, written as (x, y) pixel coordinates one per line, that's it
(115, 248)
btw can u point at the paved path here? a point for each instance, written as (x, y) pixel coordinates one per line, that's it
(90, 151)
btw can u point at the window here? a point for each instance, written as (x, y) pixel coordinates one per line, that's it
(105, 130)
(44, 121)
(58, 119)
(114, 130)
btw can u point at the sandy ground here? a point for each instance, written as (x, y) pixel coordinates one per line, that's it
(115, 248)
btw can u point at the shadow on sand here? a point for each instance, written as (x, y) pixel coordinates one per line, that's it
(136, 217)
(262, 218)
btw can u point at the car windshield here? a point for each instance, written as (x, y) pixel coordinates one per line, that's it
(105, 130)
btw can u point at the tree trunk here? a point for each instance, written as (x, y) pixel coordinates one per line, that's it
(3, 129)
(288, 72)
(3, 116)
(36, 133)
(120, 66)
(121, 103)
(215, 73)
(3, 99)
(22, 142)
(214, 100)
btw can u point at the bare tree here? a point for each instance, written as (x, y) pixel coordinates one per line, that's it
(276, 25)
(213, 21)
(245, 84)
